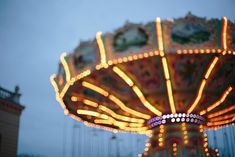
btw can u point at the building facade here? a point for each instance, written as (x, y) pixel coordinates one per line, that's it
(10, 111)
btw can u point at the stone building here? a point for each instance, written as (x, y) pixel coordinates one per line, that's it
(10, 111)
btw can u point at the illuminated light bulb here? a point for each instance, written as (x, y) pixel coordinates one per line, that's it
(135, 57)
(110, 62)
(156, 52)
(125, 59)
(97, 67)
(140, 56)
(101, 47)
(179, 51)
(105, 66)
(207, 50)
(146, 55)
(173, 120)
(202, 51)
(66, 112)
(177, 119)
(115, 61)
(119, 60)
(130, 58)
(151, 53)
(73, 98)
(196, 51)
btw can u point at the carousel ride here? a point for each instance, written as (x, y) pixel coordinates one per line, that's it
(170, 80)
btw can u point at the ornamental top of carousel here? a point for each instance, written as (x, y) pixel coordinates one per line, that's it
(169, 71)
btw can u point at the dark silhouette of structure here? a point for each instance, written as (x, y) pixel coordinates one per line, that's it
(10, 111)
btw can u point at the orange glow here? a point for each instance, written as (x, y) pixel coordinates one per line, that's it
(145, 102)
(221, 100)
(120, 73)
(224, 33)
(82, 75)
(101, 48)
(218, 102)
(165, 68)
(65, 65)
(53, 83)
(222, 117)
(95, 88)
(221, 112)
(115, 100)
(159, 35)
(117, 116)
(221, 122)
(101, 121)
(125, 108)
(164, 65)
(90, 103)
(160, 135)
(137, 91)
(198, 97)
(170, 96)
(212, 65)
(92, 113)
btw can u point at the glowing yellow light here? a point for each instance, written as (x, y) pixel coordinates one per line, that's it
(120, 73)
(159, 34)
(224, 33)
(145, 102)
(117, 116)
(74, 98)
(92, 113)
(101, 121)
(52, 79)
(198, 97)
(90, 103)
(115, 100)
(222, 117)
(221, 112)
(82, 75)
(65, 65)
(218, 102)
(101, 48)
(165, 68)
(170, 96)
(125, 108)
(95, 88)
(215, 60)
(136, 90)
(221, 122)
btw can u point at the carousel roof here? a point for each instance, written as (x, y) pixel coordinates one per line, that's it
(120, 80)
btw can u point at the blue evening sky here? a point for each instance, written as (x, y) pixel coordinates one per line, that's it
(33, 33)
